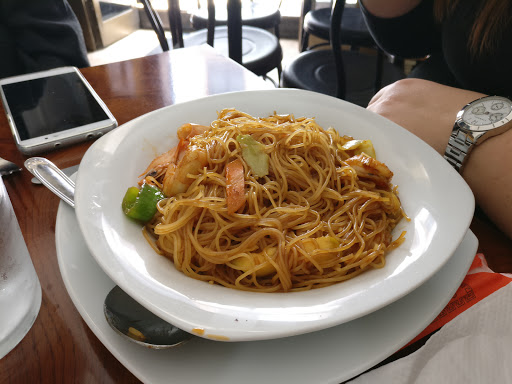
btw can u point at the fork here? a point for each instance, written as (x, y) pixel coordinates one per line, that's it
(7, 167)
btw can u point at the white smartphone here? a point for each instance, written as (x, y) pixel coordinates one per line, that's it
(52, 109)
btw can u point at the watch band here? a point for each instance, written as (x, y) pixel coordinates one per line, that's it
(459, 145)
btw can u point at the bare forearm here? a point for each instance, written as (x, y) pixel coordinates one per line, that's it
(429, 110)
(488, 174)
(390, 8)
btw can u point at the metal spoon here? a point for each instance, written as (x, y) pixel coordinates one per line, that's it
(125, 315)
(129, 318)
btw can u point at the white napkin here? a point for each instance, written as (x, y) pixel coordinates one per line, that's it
(475, 347)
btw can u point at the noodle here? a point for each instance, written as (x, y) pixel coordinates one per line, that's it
(321, 215)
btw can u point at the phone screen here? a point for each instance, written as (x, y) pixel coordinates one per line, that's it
(52, 104)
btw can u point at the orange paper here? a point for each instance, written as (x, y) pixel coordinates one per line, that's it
(479, 283)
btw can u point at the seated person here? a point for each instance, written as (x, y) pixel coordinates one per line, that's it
(428, 110)
(37, 35)
(468, 43)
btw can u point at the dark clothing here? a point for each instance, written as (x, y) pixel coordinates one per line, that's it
(39, 34)
(417, 35)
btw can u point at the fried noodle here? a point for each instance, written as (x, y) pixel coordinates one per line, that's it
(316, 219)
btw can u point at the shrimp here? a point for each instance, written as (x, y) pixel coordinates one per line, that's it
(164, 165)
(158, 167)
(186, 131)
(367, 167)
(176, 179)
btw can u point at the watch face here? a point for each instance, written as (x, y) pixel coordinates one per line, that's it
(488, 113)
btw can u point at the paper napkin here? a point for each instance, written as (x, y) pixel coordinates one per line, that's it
(475, 347)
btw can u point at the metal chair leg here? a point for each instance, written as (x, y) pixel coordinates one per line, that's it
(156, 24)
(175, 23)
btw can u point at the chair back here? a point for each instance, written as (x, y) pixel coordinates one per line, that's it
(234, 25)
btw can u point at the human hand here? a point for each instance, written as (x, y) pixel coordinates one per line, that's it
(429, 110)
(424, 108)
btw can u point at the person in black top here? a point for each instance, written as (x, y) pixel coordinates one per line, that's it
(466, 46)
(461, 52)
(36, 35)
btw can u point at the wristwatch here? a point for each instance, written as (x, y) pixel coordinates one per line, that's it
(479, 120)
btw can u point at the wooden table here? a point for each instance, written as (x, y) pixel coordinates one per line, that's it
(60, 348)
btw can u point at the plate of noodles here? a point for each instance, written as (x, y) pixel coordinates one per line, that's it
(263, 214)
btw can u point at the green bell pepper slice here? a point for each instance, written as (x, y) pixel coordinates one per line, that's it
(141, 204)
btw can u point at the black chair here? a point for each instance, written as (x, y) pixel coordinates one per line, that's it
(347, 74)
(354, 33)
(256, 49)
(254, 14)
(174, 22)
(317, 22)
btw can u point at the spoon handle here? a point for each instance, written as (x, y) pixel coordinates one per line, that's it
(121, 311)
(52, 177)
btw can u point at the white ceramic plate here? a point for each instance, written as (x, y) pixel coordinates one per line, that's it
(428, 188)
(329, 356)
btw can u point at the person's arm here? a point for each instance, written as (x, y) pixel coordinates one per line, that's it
(429, 110)
(389, 8)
